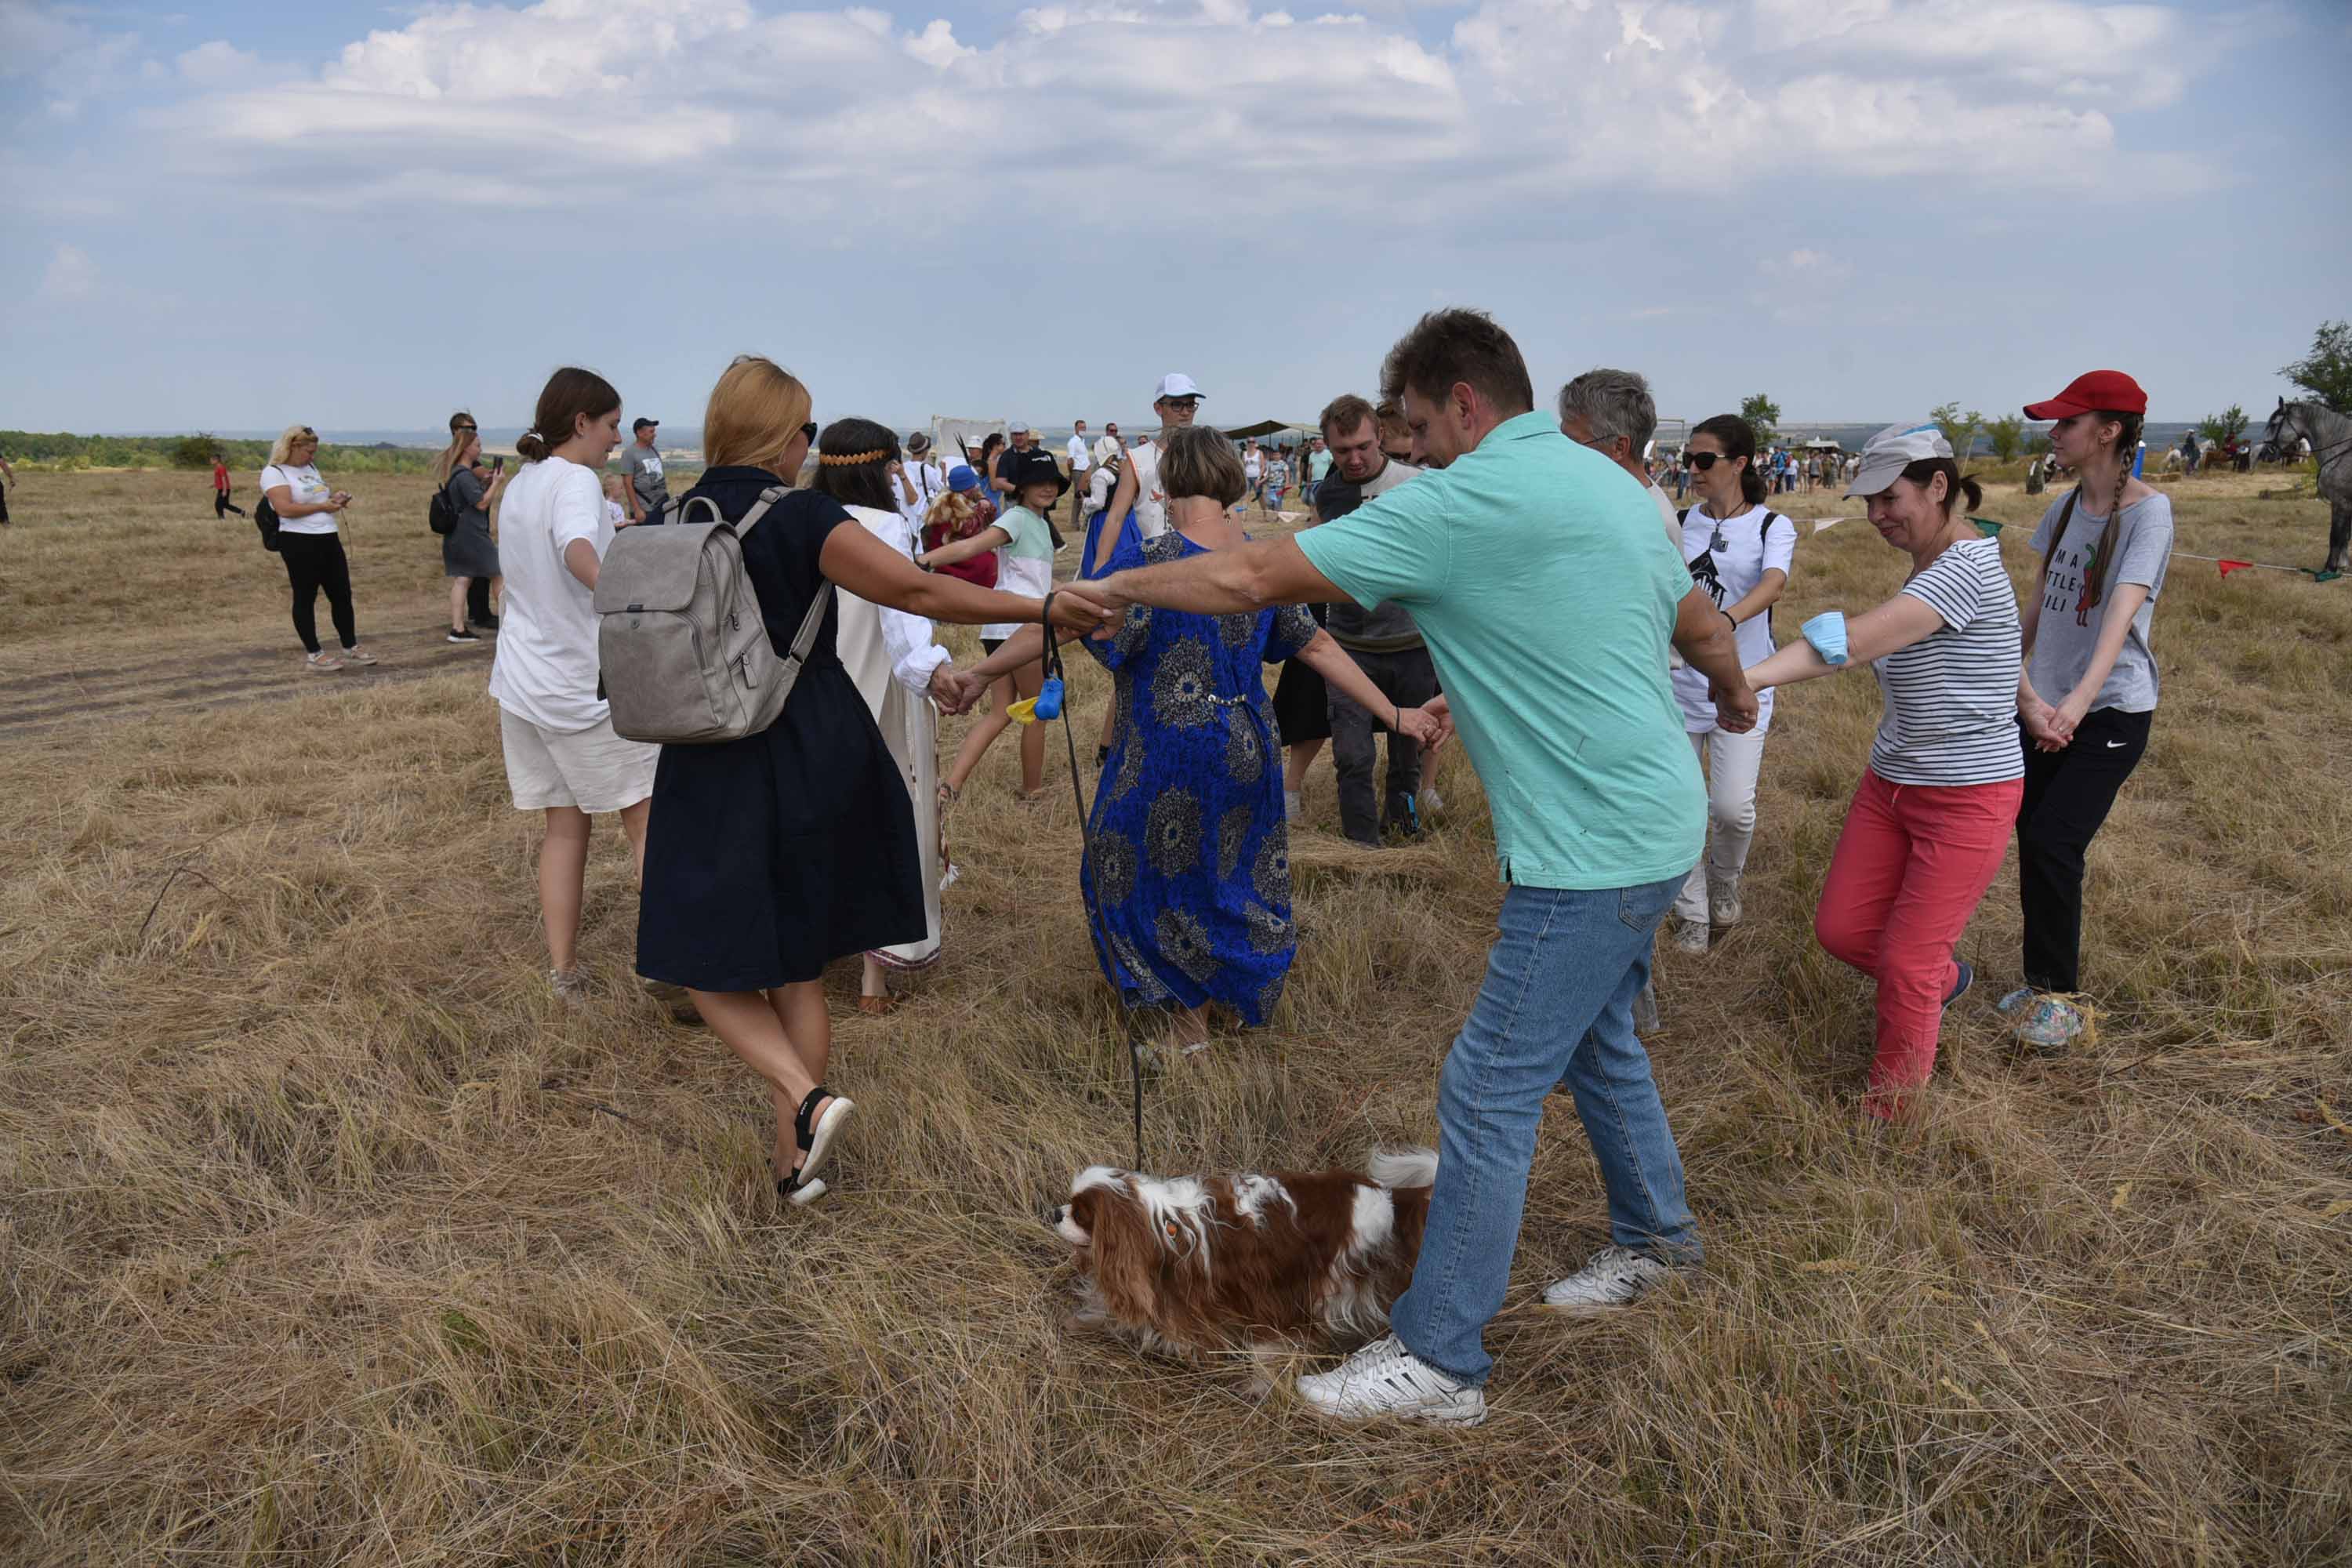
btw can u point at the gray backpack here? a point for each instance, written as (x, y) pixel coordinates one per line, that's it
(685, 656)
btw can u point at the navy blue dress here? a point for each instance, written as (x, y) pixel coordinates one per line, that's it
(768, 856)
(1187, 847)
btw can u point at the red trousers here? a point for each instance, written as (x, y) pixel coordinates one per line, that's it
(1912, 863)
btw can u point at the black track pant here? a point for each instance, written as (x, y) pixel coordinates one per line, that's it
(315, 560)
(2067, 795)
(1408, 679)
(477, 600)
(223, 506)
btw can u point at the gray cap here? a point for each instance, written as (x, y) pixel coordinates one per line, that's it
(1885, 455)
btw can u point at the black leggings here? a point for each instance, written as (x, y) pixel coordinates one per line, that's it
(223, 506)
(315, 560)
(2067, 795)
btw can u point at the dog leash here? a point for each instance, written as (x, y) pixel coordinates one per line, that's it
(1052, 679)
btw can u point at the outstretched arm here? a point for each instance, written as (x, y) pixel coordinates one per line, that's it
(1324, 656)
(1892, 627)
(960, 549)
(1223, 582)
(870, 569)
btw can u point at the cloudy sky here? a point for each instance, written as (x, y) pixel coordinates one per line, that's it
(236, 214)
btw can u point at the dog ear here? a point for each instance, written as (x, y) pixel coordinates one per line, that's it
(1127, 1256)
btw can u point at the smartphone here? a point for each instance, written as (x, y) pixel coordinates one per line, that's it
(497, 465)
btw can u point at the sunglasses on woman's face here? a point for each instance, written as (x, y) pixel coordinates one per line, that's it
(808, 431)
(1702, 461)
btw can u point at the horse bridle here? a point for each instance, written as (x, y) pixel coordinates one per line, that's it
(2278, 428)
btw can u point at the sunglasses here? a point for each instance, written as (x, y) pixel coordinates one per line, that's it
(808, 431)
(1702, 461)
(464, 429)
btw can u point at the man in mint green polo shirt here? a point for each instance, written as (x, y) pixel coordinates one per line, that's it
(1536, 572)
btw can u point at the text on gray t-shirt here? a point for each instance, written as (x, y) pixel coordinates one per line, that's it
(2069, 628)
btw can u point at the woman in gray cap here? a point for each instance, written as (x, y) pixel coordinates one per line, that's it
(1931, 820)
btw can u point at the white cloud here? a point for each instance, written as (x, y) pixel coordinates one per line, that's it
(1527, 102)
(218, 62)
(71, 275)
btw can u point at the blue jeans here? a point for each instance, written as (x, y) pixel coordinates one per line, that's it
(1556, 1011)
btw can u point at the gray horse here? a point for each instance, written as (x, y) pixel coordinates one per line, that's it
(2330, 435)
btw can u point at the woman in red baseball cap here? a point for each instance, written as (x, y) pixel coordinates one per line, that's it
(2088, 693)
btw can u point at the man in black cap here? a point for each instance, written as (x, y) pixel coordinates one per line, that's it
(647, 492)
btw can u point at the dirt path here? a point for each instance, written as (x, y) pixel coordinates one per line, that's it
(82, 690)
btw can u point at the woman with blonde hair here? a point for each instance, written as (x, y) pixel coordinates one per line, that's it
(311, 546)
(469, 554)
(1188, 850)
(773, 855)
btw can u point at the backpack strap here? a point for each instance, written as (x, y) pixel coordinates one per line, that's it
(768, 497)
(805, 638)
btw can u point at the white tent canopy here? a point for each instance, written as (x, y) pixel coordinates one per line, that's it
(952, 437)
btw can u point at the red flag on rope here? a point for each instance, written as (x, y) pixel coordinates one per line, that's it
(2229, 567)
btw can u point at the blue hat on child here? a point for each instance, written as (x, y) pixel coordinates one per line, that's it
(961, 478)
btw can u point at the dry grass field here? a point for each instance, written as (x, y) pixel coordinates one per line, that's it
(325, 1238)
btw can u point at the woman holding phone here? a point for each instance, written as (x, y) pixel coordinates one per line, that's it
(469, 554)
(311, 547)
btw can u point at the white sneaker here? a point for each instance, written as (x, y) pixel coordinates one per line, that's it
(322, 663)
(1723, 902)
(1432, 803)
(1386, 1379)
(569, 986)
(1612, 1277)
(1691, 936)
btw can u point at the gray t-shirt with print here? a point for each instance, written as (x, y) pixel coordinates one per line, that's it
(645, 469)
(2069, 628)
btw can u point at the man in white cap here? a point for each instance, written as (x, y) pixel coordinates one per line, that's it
(1177, 404)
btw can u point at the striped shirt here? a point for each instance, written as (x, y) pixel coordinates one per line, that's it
(1951, 697)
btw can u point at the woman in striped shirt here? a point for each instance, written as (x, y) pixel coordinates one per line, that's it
(1931, 820)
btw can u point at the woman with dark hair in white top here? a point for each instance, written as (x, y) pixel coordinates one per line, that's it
(1738, 551)
(1932, 817)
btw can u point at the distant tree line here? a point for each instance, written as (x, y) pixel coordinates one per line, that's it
(59, 450)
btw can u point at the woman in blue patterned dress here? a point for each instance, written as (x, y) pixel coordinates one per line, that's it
(1187, 847)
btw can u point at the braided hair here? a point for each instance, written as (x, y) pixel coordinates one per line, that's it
(2095, 570)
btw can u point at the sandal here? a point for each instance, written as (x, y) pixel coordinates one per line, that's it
(877, 1007)
(948, 795)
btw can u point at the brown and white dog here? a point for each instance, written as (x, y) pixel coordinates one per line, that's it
(1201, 1266)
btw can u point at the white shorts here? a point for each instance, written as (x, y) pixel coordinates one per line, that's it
(593, 769)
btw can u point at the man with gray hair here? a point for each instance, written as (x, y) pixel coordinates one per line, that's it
(1611, 412)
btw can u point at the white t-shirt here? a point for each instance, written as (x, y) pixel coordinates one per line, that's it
(1025, 564)
(547, 665)
(1151, 500)
(1082, 456)
(1253, 464)
(1758, 541)
(305, 485)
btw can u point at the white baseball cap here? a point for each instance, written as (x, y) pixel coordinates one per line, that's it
(1885, 455)
(1018, 427)
(1176, 384)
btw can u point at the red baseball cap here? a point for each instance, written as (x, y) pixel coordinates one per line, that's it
(2100, 391)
